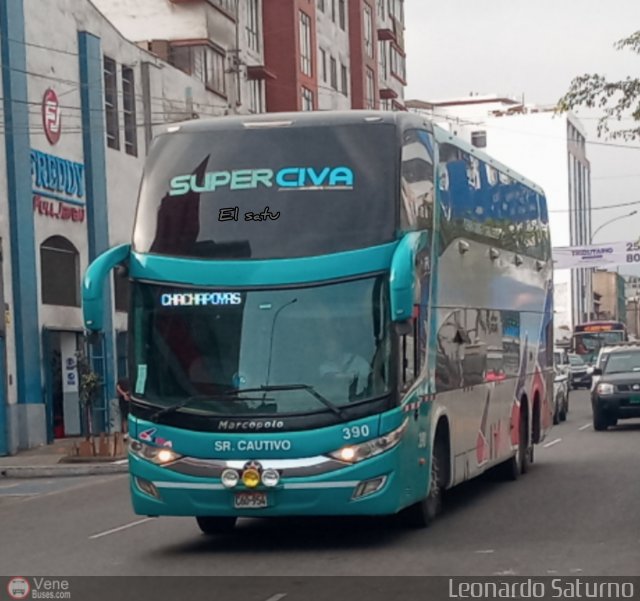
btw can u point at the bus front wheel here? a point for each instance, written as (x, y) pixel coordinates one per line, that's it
(216, 525)
(423, 513)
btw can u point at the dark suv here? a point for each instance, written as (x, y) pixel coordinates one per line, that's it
(617, 393)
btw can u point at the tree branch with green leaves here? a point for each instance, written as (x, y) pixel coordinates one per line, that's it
(616, 99)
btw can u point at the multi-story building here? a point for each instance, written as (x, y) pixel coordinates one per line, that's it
(80, 106)
(284, 55)
(334, 54)
(219, 42)
(548, 149)
(610, 286)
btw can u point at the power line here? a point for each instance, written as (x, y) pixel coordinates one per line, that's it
(602, 208)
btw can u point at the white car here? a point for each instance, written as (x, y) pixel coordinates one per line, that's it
(560, 397)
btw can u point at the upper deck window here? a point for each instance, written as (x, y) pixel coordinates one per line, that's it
(269, 192)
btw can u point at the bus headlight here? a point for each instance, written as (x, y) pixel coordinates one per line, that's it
(371, 448)
(605, 389)
(157, 455)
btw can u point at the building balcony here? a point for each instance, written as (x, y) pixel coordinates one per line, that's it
(227, 7)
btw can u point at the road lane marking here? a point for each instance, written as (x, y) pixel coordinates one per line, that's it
(121, 462)
(119, 528)
(485, 551)
(277, 597)
(550, 444)
(584, 427)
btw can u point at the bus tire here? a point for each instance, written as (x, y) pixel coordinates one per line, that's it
(216, 525)
(525, 448)
(518, 463)
(423, 513)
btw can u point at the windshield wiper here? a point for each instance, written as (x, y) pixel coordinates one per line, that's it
(310, 389)
(200, 397)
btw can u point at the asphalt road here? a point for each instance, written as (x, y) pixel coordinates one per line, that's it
(575, 514)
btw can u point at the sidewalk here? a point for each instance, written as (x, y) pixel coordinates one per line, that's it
(53, 461)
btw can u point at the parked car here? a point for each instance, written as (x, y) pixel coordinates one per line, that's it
(579, 376)
(617, 394)
(560, 397)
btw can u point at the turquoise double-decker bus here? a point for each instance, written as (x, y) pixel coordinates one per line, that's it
(320, 303)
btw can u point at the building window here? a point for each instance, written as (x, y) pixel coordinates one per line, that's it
(397, 64)
(370, 90)
(396, 9)
(323, 64)
(203, 62)
(342, 15)
(321, 5)
(111, 103)
(307, 99)
(382, 59)
(256, 104)
(385, 104)
(129, 111)
(229, 6)
(253, 25)
(214, 70)
(333, 10)
(381, 13)
(334, 73)
(59, 272)
(479, 139)
(345, 79)
(368, 31)
(305, 43)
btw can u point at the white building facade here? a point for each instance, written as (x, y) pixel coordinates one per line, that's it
(550, 150)
(80, 107)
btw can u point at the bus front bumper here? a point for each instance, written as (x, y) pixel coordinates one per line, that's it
(335, 493)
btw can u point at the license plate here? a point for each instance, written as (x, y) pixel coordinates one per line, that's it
(635, 399)
(250, 500)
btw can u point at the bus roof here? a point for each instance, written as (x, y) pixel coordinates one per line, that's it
(400, 119)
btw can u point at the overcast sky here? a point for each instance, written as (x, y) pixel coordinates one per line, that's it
(535, 48)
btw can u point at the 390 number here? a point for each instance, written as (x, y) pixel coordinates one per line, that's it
(355, 432)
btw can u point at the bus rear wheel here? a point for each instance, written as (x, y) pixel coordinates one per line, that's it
(216, 525)
(519, 463)
(423, 513)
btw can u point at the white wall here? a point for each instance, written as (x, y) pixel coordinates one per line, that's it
(156, 19)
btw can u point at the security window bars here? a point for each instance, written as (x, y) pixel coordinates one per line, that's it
(129, 111)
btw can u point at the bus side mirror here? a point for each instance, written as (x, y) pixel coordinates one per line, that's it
(402, 280)
(93, 285)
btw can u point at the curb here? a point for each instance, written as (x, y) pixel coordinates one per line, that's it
(66, 470)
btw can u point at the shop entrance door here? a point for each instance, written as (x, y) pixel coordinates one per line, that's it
(63, 398)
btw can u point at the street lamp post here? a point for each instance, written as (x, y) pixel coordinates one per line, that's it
(610, 221)
(618, 268)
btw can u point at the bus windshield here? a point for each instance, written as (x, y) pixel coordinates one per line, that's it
(590, 343)
(208, 346)
(268, 193)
